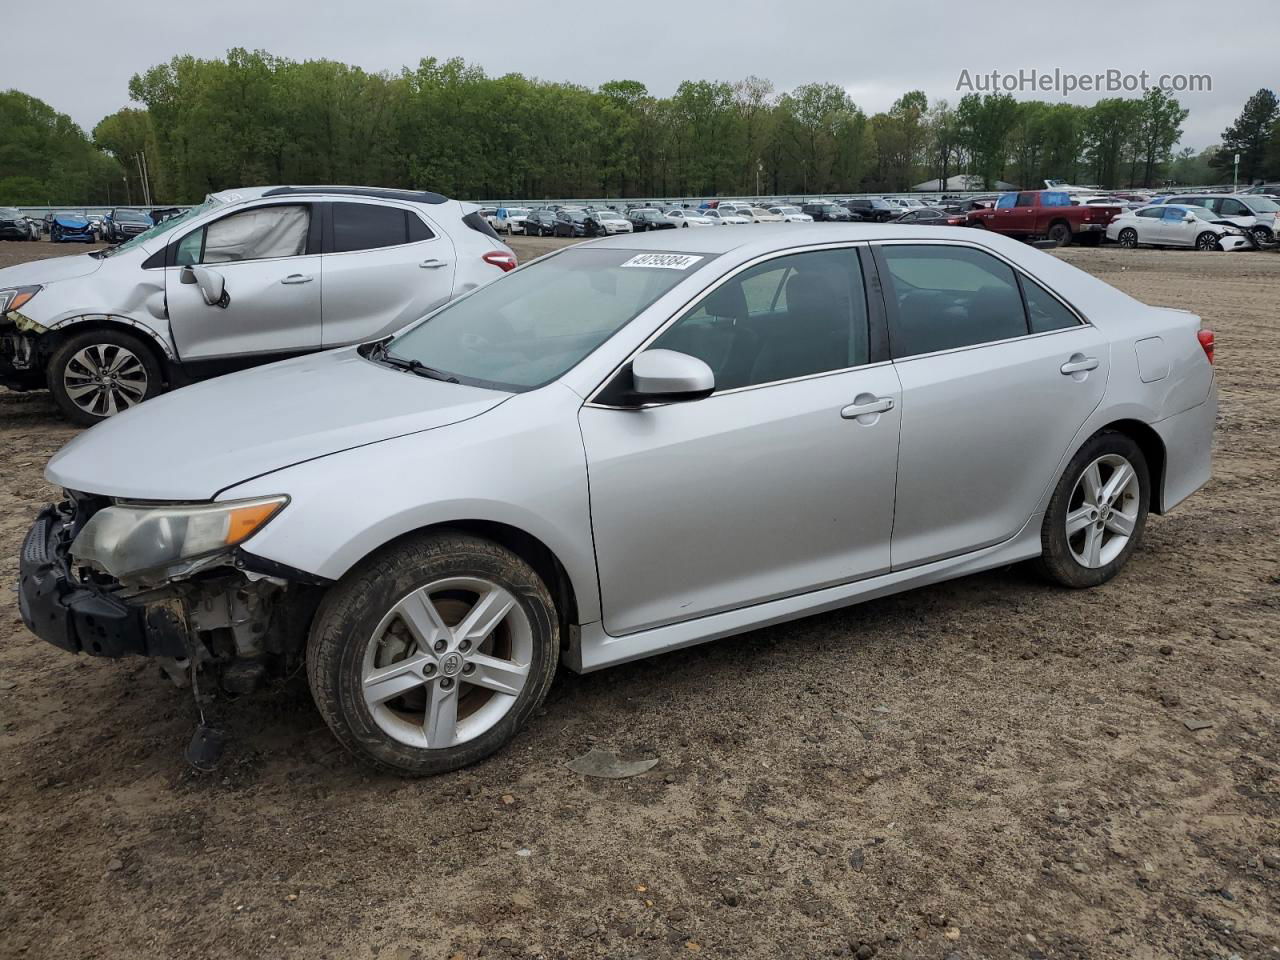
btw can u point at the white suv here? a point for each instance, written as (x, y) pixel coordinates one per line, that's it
(247, 277)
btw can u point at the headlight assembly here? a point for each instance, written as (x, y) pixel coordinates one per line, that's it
(127, 539)
(14, 298)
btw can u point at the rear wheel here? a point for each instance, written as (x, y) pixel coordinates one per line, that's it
(1261, 235)
(1097, 513)
(1060, 233)
(431, 655)
(1128, 238)
(99, 373)
(1207, 241)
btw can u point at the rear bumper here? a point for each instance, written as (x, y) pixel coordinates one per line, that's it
(80, 618)
(1188, 446)
(1090, 227)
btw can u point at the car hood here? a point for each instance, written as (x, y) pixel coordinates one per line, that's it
(196, 441)
(49, 270)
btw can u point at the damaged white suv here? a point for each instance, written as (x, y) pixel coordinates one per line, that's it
(247, 277)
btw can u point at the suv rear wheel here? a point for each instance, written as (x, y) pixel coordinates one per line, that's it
(431, 655)
(99, 373)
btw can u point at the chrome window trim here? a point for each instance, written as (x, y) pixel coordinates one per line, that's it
(1017, 268)
(705, 292)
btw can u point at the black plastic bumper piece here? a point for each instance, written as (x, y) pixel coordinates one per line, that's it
(80, 618)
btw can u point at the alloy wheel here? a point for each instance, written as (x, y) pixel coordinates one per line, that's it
(1128, 238)
(1206, 241)
(1103, 510)
(104, 379)
(447, 662)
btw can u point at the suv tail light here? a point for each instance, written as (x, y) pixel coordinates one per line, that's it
(504, 260)
(1206, 341)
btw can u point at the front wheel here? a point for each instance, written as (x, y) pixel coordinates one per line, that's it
(1207, 241)
(99, 373)
(1097, 513)
(432, 654)
(1261, 235)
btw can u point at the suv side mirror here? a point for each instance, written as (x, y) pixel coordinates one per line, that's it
(212, 285)
(667, 375)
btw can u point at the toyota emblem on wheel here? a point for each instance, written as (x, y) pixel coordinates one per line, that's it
(451, 665)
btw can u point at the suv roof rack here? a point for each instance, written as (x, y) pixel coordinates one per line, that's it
(386, 193)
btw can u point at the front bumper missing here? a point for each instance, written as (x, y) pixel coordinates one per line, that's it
(80, 617)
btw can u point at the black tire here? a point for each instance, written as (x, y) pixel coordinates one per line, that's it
(1060, 233)
(1261, 235)
(56, 369)
(55, 234)
(1207, 241)
(350, 612)
(1128, 238)
(1057, 561)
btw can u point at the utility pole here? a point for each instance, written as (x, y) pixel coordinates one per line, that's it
(1235, 174)
(128, 194)
(146, 173)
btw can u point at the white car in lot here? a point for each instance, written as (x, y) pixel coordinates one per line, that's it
(726, 218)
(247, 277)
(791, 214)
(760, 215)
(683, 217)
(1257, 214)
(511, 220)
(608, 222)
(628, 446)
(1176, 225)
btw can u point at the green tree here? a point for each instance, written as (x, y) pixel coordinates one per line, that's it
(1250, 136)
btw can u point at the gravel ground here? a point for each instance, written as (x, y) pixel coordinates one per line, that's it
(986, 768)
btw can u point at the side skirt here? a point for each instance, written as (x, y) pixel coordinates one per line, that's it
(593, 649)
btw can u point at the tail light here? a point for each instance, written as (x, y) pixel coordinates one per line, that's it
(1206, 342)
(504, 260)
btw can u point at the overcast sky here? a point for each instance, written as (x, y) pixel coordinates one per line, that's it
(876, 50)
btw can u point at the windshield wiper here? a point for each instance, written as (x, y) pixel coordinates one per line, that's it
(381, 354)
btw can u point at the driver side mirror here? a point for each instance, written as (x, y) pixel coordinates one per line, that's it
(1188, 218)
(660, 376)
(212, 285)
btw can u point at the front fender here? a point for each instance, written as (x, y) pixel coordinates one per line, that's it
(521, 464)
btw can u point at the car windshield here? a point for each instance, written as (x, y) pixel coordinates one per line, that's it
(786, 210)
(9, 213)
(517, 212)
(130, 216)
(1261, 205)
(529, 327)
(165, 227)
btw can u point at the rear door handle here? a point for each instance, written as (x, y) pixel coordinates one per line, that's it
(297, 278)
(867, 407)
(1079, 364)
(432, 264)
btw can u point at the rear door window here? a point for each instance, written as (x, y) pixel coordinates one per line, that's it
(370, 226)
(948, 297)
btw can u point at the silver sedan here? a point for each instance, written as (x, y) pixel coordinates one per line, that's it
(625, 447)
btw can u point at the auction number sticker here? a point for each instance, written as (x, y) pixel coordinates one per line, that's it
(663, 261)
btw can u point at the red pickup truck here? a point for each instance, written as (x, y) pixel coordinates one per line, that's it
(1032, 214)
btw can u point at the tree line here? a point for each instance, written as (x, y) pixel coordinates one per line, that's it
(255, 118)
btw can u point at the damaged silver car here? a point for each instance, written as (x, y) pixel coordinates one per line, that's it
(625, 447)
(247, 277)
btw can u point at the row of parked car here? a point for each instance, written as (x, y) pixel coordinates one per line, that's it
(114, 226)
(1247, 220)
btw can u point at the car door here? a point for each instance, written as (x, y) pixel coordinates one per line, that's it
(384, 267)
(1146, 222)
(778, 483)
(1174, 230)
(269, 258)
(994, 388)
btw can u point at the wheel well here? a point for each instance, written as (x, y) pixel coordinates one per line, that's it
(529, 549)
(1152, 448)
(1060, 221)
(58, 335)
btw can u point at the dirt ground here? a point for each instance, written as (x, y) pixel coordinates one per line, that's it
(987, 768)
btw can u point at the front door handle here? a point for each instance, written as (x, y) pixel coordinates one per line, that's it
(867, 406)
(297, 278)
(432, 264)
(1079, 363)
